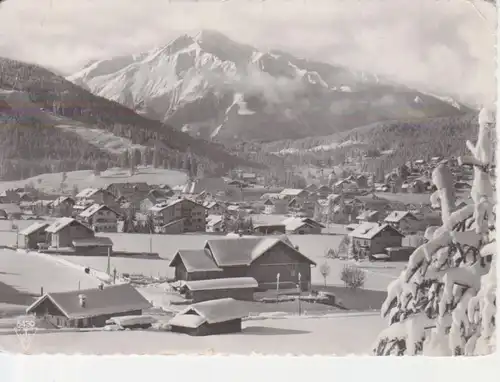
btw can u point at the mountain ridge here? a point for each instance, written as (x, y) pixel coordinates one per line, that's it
(217, 89)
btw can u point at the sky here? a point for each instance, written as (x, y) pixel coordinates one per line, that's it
(440, 46)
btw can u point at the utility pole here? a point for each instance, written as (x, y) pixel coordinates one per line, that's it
(108, 268)
(300, 290)
(277, 287)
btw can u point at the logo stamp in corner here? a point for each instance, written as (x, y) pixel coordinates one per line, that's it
(25, 330)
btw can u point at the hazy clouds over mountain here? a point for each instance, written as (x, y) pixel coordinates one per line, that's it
(438, 46)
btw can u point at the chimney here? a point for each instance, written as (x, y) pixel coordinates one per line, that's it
(83, 300)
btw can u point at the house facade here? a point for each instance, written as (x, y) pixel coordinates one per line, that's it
(191, 213)
(65, 230)
(372, 238)
(100, 218)
(403, 221)
(33, 235)
(96, 196)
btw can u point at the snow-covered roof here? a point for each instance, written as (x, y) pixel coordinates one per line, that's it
(367, 215)
(61, 223)
(191, 321)
(169, 203)
(214, 311)
(34, 227)
(292, 191)
(370, 230)
(113, 299)
(222, 283)
(213, 220)
(397, 216)
(93, 242)
(195, 260)
(245, 250)
(93, 209)
(60, 200)
(87, 193)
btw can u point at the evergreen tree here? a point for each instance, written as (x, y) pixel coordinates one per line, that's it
(444, 302)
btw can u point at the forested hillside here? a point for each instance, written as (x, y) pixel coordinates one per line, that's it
(44, 144)
(378, 146)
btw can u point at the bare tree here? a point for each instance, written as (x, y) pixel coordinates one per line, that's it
(324, 269)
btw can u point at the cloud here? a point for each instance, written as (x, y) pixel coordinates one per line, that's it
(439, 46)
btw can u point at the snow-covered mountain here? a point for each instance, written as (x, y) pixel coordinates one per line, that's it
(212, 87)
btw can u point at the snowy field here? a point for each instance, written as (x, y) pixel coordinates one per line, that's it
(50, 183)
(341, 335)
(28, 272)
(378, 275)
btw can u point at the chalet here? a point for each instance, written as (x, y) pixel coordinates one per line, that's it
(404, 221)
(368, 216)
(154, 197)
(33, 235)
(275, 206)
(214, 208)
(239, 288)
(302, 226)
(133, 192)
(301, 207)
(62, 206)
(293, 193)
(10, 211)
(189, 212)
(269, 229)
(373, 238)
(90, 307)
(65, 230)
(100, 218)
(219, 316)
(96, 196)
(259, 257)
(215, 223)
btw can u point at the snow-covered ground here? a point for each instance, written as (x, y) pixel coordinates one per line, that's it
(50, 183)
(378, 275)
(28, 272)
(341, 335)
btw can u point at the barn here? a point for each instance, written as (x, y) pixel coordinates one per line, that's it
(211, 317)
(261, 258)
(239, 288)
(90, 307)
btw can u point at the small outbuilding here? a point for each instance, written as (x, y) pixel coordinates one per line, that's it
(239, 288)
(33, 235)
(211, 317)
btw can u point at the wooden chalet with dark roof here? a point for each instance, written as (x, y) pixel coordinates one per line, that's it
(89, 307)
(259, 258)
(373, 238)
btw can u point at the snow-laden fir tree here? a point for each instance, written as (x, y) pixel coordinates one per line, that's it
(444, 302)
